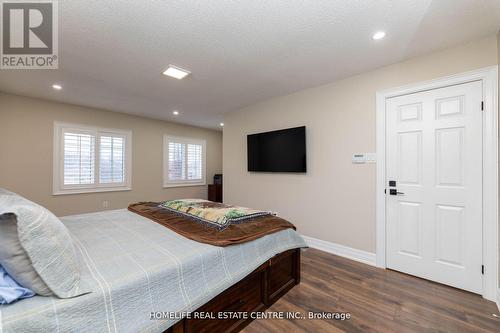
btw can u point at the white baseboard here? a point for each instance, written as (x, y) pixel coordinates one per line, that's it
(341, 250)
(498, 299)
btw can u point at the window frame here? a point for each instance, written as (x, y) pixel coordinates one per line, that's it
(185, 182)
(58, 186)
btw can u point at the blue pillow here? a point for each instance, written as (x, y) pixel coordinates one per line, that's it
(10, 290)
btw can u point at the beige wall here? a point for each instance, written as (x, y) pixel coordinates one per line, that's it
(335, 200)
(26, 148)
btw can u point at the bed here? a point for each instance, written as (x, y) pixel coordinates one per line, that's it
(145, 278)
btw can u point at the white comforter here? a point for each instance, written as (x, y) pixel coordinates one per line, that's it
(135, 267)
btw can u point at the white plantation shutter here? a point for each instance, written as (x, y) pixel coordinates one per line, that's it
(184, 161)
(194, 161)
(112, 159)
(91, 159)
(176, 161)
(79, 158)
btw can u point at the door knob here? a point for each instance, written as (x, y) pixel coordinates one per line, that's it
(393, 191)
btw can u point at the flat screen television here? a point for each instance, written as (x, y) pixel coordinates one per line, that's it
(277, 151)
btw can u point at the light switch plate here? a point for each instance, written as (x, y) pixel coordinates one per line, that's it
(361, 158)
(370, 157)
(358, 158)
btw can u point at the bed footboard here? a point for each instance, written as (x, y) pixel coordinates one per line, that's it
(256, 292)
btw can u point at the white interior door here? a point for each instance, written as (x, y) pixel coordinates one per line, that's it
(434, 154)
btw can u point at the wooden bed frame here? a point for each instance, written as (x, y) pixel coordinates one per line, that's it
(256, 292)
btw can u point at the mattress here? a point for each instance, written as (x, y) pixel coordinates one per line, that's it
(136, 268)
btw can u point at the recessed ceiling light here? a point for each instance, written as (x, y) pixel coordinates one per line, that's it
(175, 112)
(176, 72)
(222, 124)
(378, 35)
(57, 86)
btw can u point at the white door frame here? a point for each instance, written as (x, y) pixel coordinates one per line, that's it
(489, 78)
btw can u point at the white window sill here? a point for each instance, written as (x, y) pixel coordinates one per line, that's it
(183, 184)
(92, 190)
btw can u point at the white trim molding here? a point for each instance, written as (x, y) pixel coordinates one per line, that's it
(167, 182)
(498, 299)
(341, 250)
(489, 78)
(58, 186)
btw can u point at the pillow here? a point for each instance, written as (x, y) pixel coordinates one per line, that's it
(47, 243)
(15, 260)
(10, 290)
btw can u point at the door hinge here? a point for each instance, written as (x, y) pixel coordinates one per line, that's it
(482, 106)
(482, 269)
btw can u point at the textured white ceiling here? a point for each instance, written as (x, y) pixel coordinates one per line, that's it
(240, 52)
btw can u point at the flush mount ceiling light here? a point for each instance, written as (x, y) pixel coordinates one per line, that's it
(57, 86)
(175, 112)
(378, 35)
(221, 124)
(176, 72)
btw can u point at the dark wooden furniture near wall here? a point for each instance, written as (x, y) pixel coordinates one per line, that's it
(215, 192)
(256, 292)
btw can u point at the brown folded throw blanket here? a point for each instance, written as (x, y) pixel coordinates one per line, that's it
(234, 234)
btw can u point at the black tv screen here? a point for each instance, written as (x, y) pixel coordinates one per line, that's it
(277, 151)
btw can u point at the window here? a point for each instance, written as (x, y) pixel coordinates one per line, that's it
(88, 159)
(183, 162)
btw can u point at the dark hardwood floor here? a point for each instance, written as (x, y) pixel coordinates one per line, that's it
(378, 300)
